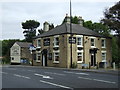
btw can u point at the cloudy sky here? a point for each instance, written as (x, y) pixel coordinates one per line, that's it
(12, 13)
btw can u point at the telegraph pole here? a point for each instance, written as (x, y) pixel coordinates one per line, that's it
(71, 32)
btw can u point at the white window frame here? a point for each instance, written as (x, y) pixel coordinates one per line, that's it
(54, 57)
(91, 42)
(104, 43)
(104, 56)
(40, 43)
(79, 36)
(81, 55)
(54, 41)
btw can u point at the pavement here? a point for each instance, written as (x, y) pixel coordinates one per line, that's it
(100, 70)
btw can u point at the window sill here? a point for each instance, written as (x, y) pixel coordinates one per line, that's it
(56, 62)
(104, 61)
(103, 47)
(79, 62)
(56, 50)
(93, 47)
(79, 46)
(38, 47)
(38, 61)
(56, 46)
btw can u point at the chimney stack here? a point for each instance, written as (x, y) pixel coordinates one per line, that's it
(80, 21)
(46, 26)
(67, 19)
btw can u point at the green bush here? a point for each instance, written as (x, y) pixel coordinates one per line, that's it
(74, 65)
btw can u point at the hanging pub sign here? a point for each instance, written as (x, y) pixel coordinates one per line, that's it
(50, 56)
(72, 40)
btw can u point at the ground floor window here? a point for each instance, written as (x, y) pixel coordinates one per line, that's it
(56, 57)
(79, 57)
(103, 57)
(12, 58)
(38, 57)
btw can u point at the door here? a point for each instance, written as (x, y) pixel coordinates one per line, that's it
(44, 58)
(93, 60)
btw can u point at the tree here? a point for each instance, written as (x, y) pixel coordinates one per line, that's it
(30, 27)
(51, 26)
(97, 27)
(112, 19)
(74, 20)
(40, 31)
(88, 24)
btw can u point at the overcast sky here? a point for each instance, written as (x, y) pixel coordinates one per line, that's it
(13, 13)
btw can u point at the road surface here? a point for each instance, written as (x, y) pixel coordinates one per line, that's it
(39, 77)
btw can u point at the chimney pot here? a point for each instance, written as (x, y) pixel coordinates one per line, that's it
(46, 26)
(67, 19)
(80, 21)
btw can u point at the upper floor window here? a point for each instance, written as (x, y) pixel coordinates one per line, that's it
(56, 41)
(47, 42)
(103, 44)
(79, 41)
(38, 43)
(92, 42)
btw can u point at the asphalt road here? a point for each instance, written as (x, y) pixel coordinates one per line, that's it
(38, 77)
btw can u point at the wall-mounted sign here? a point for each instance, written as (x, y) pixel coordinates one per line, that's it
(15, 50)
(72, 40)
(46, 42)
(50, 56)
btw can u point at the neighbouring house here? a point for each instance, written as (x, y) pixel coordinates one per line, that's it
(89, 49)
(20, 53)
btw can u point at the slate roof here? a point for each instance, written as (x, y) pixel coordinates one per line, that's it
(65, 29)
(24, 44)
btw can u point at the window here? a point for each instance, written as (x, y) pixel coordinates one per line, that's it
(92, 42)
(79, 41)
(38, 43)
(12, 58)
(79, 57)
(47, 42)
(38, 57)
(103, 57)
(56, 57)
(56, 41)
(103, 43)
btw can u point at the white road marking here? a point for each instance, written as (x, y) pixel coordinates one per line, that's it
(31, 70)
(43, 76)
(3, 72)
(10, 69)
(104, 81)
(75, 73)
(56, 84)
(97, 80)
(85, 78)
(21, 76)
(55, 73)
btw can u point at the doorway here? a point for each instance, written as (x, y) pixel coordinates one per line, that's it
(93, 60)
(44, 57)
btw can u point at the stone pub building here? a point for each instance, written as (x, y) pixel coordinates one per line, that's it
(88, 47)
